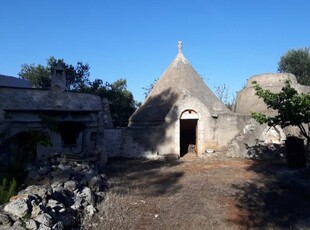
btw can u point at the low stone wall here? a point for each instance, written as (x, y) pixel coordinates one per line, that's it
(133, 142)
(114, 142)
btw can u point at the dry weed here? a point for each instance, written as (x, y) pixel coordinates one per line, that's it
(112, 213)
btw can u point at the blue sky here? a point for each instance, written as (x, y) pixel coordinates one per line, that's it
(226, 41)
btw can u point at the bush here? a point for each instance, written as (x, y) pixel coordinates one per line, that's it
(7, 190)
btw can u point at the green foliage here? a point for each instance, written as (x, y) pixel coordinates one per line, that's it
(24, 148)
(40, 76)
(7, 190)
(259, 117)
(122, 103)
(293, 109)
(297, 62)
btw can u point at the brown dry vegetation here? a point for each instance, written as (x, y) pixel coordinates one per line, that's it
(210, 193)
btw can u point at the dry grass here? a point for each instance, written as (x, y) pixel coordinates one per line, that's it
(113, 213)
(193, 194)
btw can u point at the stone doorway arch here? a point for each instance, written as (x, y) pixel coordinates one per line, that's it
(188, 132)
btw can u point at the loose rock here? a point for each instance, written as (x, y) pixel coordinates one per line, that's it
(70, 185)
(18, 207)
(5, 219)
(52, 201)
(31, 224)
(44, 219)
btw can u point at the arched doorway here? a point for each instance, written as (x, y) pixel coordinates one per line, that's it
(188, 132)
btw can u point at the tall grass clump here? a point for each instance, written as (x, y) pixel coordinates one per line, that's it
(7, 189)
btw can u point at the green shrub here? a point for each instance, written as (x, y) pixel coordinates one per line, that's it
(7, 190)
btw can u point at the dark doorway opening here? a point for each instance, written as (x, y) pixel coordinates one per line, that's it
(188, 132)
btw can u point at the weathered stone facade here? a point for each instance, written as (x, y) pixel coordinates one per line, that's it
(181, 112)
(248, 102)
(80, 118)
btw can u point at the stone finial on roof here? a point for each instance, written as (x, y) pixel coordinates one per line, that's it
(180, 46)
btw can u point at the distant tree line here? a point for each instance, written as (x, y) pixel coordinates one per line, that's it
(122, 103)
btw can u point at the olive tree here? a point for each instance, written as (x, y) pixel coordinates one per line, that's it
(297, 62)
(293, 108)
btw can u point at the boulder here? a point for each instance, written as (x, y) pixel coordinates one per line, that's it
(41, 191)
(90, 210)
(18, 225)
(70, 185)
(31, 224)
(5, 220)
(19, 207)
(44, 219)
(87, 196)
(36, 209)
(97, 183)
(43, 227)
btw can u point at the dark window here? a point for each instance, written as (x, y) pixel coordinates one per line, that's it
(70, 131)
(69, 137)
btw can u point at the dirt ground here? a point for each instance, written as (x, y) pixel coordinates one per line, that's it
(209, 193)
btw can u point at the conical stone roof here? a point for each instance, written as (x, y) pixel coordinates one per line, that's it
(180, 80)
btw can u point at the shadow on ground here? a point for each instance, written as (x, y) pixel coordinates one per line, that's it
(151, 175)
(279, 198)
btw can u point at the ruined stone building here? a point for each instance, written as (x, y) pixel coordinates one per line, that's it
(181, 112)
(80, 118)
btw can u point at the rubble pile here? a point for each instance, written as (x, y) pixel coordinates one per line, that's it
(191, 148)
(60, 193)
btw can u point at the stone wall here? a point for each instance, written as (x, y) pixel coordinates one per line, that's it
(131, 142)
(22, 109)
(247, 101)
(114, 142)
(153, 142)
(228, 126)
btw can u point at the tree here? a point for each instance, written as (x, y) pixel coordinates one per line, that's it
(40, 76)
(222, 92)
(297, 62)
(122, 103)
(293, 108)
